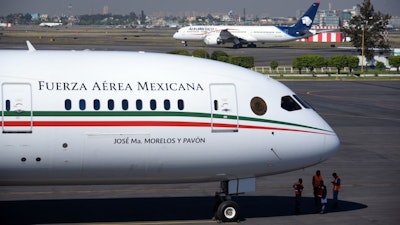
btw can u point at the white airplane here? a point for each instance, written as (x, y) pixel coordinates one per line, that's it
(248, 35)
(5, 25)
(50, 24)
(94, 117)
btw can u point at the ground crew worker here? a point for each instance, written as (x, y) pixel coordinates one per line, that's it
(322, 196)
(298, 189)
(316, 181)
(336, 188)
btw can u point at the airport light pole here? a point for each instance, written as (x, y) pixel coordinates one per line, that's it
(362, 48)
(362, 42)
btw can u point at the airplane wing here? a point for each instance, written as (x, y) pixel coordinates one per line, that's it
(223, 36)
(307, 33)
(323, 31)
(310, 33)
(227, 36)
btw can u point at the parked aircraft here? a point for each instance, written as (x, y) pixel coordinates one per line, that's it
(93, 117)
(249, 35)
(50, 24)
(5, 25)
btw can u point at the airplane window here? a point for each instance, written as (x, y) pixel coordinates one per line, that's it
(82, 104)
(96, 104)
(111, 104)
(68, 104)
(8, 105)
(258, 106)
(289, 104)
(139, 104)
(153, 104)
(125, 104)
(167, 104)
(180, 104)
(302, 102)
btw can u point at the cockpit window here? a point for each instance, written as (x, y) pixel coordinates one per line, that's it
(302, 102)
(289, 104)
(258, 106)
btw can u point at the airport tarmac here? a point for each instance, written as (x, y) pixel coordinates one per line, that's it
(263, 56)
(366, 117)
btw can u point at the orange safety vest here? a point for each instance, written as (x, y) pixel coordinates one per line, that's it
(317, 180)
(321, 191)
(336, 185)
(298, 188)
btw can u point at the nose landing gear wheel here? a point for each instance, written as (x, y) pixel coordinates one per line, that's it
(228, 211)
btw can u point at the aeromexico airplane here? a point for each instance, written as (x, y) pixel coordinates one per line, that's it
(248, 35)
(91, 117)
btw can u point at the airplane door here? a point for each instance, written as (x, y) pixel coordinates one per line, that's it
(16, 109)
(224, 108)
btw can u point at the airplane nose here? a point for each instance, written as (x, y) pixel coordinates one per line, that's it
(331, 145)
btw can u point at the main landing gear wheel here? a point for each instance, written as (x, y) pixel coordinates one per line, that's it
(228, 211)
(236, 46)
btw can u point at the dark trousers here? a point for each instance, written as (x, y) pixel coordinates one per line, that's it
(317, 201)
(297, 205)
(335, 199)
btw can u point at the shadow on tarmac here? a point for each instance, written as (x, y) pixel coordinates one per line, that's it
(149, 209)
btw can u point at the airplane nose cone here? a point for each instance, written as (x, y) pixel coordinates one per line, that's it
(331, 145)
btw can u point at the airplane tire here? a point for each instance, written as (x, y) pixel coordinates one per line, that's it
(228, 211)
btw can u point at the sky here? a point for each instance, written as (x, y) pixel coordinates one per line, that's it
(272, 8)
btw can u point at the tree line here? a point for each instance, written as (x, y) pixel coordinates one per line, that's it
(243, 61)
(310, 62)
(316, 61)
(338, 61)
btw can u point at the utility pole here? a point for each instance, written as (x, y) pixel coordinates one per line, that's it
(362, 48)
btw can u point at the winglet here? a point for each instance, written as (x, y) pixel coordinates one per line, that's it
(30, 46)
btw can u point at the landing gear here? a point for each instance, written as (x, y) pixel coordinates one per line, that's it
(184, 43)
(225, 210)
(228, 211)
(251, 45)
(236, 46)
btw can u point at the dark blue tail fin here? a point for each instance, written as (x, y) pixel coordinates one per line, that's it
(304, 24)
(306, 21)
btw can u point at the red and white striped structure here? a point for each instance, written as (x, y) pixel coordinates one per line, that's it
(325, 37)
(314, 27)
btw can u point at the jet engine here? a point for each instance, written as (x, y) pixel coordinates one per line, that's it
(212, 40)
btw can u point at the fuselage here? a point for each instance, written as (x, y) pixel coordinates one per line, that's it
(87, 117)
(248, 33)
(239, 35)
